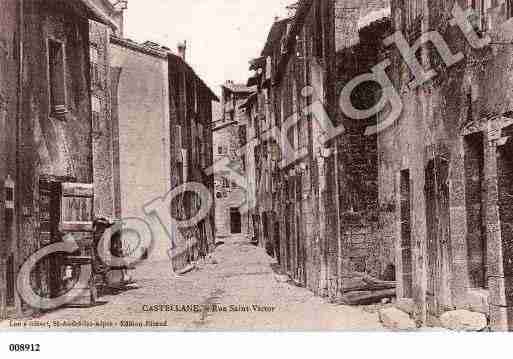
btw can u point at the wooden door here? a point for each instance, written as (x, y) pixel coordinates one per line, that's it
(235, 221)
(277, 242)
(11, 280)
(505, 184)
(49, 215)
(406, 243)
(288, 242)
(438, 235)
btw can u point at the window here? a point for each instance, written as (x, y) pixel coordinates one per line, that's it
(220, 150)
(95, 113)
(242, 135)
(481, 20)
(292, 136)
(318, 51)
(303, 133)
(413, 11)
(94, 60)
(226, 183)
(56, 70)
(243, 163)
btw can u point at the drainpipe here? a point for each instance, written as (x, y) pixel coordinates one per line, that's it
(338, 220)
(21, 25)
(322, 224)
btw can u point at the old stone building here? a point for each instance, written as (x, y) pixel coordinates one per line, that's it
(162, 119)
(46, 135)
(445, 163)
(192, 139)
(319, 205)
(230, 132)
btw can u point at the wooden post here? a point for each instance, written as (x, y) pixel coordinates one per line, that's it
(497, 299)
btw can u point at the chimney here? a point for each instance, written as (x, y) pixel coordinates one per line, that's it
(182, 49)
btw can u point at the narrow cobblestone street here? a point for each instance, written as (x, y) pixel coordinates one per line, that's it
(239, 275)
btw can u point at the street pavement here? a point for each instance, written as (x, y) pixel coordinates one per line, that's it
(235, 289)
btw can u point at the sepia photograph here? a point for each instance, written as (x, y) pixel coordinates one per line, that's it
(273, 166)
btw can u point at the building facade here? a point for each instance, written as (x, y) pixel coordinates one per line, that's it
(46, 135)
(317, 180)
(162, 118)
(230, 132)
(445, 162)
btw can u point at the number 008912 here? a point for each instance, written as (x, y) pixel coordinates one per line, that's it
(24, 347)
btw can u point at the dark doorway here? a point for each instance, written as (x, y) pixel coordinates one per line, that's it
(288, 239)
(277, 246)
(10, 281)
(235, 221)
(48, 271)
(505, 203)
(256, 229)
(406, 249)
(476, 227)
(9, 235)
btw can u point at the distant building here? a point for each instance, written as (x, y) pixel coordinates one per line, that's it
(229, 134)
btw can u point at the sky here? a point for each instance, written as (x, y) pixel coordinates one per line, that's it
(222, 35)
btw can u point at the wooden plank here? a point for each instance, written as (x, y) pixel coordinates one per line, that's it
(76, 227)
(368, 287)
(367, 297)
(78, 190)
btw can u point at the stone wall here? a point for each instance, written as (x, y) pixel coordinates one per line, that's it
(51, 148)
(103, 166)
(429, 140)
(142, 112)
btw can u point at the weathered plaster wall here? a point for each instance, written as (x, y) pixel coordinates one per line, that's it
(50, 147)
(144, 132)
(99, 36)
